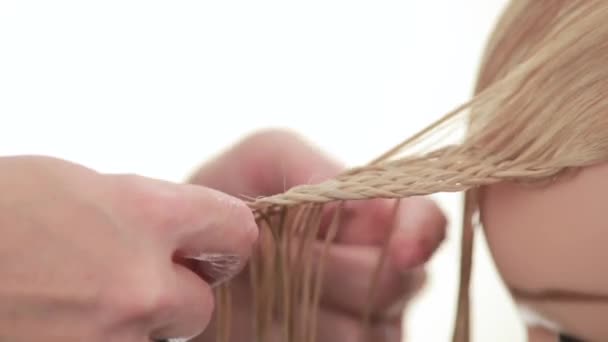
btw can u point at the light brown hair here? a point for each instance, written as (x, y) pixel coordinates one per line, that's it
(540, 109)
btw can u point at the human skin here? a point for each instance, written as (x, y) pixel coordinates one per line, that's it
(550, 239)
(91, 257)
(86, 256)
(270, 161)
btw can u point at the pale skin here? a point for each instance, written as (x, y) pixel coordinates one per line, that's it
(86, 256)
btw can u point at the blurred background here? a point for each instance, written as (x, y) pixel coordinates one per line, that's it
(157, 87)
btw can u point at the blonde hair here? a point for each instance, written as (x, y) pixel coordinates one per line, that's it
(539, 109)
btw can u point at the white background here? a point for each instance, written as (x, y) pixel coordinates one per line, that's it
(156, 87)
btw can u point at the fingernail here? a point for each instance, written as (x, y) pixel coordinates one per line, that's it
(218, 268)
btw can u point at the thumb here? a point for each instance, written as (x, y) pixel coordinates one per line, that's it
(190, 221)
(220, 234)
(195, 229)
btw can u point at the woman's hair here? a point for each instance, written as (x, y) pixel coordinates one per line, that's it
(540, 109)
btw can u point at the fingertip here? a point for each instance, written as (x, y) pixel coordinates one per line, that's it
(239, 214)
(225, 225)
(421, 229)
(406, 254)
(421, 218)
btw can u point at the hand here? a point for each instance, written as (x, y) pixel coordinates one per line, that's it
(92, 257)
(270, 162)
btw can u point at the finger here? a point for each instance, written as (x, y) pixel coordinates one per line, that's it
(420, 229)
(347, 279)
(190, 311)
(370, 222)
(273, 161)
(191, 222)
(415, 226)
(266, 163)
(336, 326)
(366, 222)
